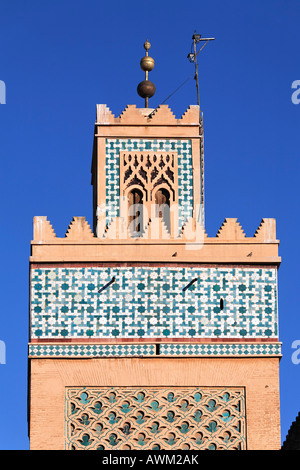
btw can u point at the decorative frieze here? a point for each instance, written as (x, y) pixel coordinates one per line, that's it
(158, 350)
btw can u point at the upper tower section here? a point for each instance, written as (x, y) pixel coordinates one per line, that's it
(147, 166)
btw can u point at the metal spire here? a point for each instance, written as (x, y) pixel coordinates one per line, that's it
(146, 89)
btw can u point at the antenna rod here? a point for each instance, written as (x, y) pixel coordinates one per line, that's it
(196, 73)
(193, 58)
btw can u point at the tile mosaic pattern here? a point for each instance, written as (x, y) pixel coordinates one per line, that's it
(185, 174)
(90, 350)
(221, 350)
(156, 418)
(146, 302)
(198, 350)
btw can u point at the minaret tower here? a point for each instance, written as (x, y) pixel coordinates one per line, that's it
(146, 333)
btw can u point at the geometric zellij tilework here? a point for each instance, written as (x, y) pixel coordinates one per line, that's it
(153, 302)
(128, 418)
(185, 171)
(147, 350)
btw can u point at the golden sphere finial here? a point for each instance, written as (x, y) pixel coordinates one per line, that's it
(147, 45)
(146, 89)
(147, 63)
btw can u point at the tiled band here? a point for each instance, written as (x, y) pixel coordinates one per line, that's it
(90, 350)
(207, 350)
(257, 349)
(153, 302)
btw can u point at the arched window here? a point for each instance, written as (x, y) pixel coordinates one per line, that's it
(135, 212)
(162, 204)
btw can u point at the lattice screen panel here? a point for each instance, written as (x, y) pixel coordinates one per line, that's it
(124, 418)
(148, 170)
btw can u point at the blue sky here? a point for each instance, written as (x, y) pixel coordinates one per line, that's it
(60, 58)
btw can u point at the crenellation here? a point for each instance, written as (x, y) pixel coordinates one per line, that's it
(266, 231)
(132, 115)
(191, 115)
(163, 115)
(104, 114)
(231, 230)
(42, 229)
(79, 229)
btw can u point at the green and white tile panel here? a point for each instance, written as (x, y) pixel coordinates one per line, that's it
(150, 302)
